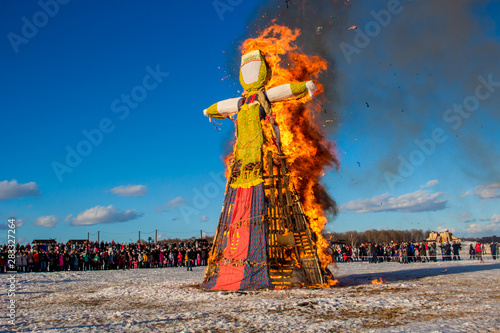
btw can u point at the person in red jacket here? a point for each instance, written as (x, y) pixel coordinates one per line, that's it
(36, 260)
(479, 253)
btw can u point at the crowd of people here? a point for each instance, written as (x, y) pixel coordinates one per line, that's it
(101, 256)
(407, 252)
(105, 256)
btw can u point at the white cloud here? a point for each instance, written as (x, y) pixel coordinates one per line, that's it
(204, 218)
(485, 191)
(418, 201)
(4, 226)
(487, 229)
(430, 183)
(68, 217)
(443, 228)
(483, 229)
(177, 202)
(12, 189)
(495, 218)
(101, 214)
(47, 221)
(130, 190)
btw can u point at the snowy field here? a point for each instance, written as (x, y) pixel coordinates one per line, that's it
(461, 296)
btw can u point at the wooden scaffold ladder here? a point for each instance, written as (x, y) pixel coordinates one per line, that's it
(292, 256)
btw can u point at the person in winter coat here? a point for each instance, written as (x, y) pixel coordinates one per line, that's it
(67, 261)
(171, 259)
(30, 261)
(121, 260)
(75, 261)
(86, 261)
(423, 252)
(17, 261)
(180, 259)
(432, 252)
(456, 250)
(493, 249)
(416, 254)
(97, 261)
(140, 259)
(204, 256)
(125, 259)
(160, 259)
(51, 259)
(479, 252)
(447, 252)
(24, 261)
(404, 250)
(374, 253)
(472, 252)
(60, 262)
(105, 260)
(111, 259)
(36, 260)
(189, 262)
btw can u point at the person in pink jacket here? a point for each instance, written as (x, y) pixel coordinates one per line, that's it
(61, 262)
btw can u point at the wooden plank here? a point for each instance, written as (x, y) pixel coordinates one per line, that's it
(272, 207)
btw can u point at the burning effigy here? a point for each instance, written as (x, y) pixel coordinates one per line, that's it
(269, 231)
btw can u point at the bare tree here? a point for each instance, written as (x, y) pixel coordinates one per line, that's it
(353, 238)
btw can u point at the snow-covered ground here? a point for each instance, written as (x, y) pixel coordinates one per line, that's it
(455, 296)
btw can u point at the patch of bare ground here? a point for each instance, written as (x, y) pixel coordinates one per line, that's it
(191, 286)
(142, 305)
(365, 291)
(397, 316)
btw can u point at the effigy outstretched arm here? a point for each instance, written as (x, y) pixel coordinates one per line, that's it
(224, 109)
(297, 90)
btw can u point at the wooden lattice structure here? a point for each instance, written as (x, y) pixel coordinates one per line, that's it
(263, 240)
(292, 257)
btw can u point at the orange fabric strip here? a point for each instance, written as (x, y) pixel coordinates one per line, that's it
(237, 242)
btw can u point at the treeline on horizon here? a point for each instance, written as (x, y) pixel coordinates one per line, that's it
(355, 238)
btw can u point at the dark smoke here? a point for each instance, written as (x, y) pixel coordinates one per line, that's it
(427, 59)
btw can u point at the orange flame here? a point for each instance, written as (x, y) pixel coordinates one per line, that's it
(352, 28)
(378, 281)
(307, 151)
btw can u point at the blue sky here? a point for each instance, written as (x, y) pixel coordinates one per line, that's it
(102, 125)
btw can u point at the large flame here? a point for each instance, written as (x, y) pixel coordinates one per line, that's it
(307, 151)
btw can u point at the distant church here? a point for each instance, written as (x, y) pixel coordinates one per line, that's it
(442, 237)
